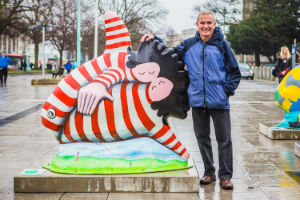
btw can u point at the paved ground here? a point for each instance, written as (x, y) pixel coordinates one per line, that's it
(263, 169)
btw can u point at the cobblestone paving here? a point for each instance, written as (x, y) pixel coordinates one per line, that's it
(261, 166)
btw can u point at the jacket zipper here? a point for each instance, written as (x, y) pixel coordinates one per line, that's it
(204, 92)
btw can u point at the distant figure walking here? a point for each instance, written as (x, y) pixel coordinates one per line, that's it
(4, 62)
(68, 66)
(23, 64)
(284, 63)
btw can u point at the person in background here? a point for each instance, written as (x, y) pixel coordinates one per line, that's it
(75, 65)
(68, 66)
(284, 63)
(23, 64)
(214, 75)
(4, 62)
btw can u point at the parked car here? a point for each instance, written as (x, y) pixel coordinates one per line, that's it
(269, 65)
(246, 71)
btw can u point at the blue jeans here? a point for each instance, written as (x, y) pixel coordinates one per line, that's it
(222, 125)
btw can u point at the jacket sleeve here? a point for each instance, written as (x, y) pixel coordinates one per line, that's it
(233, 71)
(277, 68)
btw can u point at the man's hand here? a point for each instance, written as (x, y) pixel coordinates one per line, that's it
(147, 37)
(89, 97)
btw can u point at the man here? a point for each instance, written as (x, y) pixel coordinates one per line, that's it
(4, 61)
(23, 64)
(68, 66)
(214, 75)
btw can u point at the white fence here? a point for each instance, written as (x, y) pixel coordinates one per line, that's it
(264, 73)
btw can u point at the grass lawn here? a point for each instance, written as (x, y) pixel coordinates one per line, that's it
(29, 71)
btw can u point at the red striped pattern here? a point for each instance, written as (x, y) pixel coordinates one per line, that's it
(120, 35)
(59, 113)
(161, 132)
(118, 44)
(182, 152)
(138, 106)
(121, 63)
(95, 125)
(117, 35)
(125, 111)
(112, 20)
(63, 97)
(67, 132)
(72, 82)
(84, 72)
(79, 126)
(110, 118)
(114, 28)
(106, 58)
(96, 66)
(111, 126)
(50, 125)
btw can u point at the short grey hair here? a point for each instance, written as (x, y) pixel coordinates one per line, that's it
(206, 12)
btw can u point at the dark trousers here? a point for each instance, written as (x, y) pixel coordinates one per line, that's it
(222, 125)
(3, 74)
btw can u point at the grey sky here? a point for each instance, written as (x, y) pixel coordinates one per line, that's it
(180, 15)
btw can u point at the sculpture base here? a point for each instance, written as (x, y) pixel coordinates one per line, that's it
(41, 180)
(46, 81)
(139, 155)
(279, 133)
(93, 165)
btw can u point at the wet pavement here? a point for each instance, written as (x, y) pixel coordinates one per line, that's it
(263, 169)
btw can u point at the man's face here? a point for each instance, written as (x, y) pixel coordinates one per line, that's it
(3, 54)
(206, 26)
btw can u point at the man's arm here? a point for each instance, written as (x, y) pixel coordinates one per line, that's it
(180, 49)
(233, 71)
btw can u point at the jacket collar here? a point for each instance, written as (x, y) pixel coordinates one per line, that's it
(215, 38)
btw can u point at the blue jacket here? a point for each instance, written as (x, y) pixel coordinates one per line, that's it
(4, 62)
(213, 71)
(68, 66)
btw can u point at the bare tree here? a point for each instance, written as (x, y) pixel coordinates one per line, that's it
(63, 16)
(136, 14)
(170, 37)
(36, 15)
(11, 14)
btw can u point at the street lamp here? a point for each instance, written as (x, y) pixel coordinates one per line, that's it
(44, 28)
(96, 30)
(78, 32)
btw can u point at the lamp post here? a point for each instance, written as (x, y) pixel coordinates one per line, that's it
(294, 54)
(78, 56)
(44, 28)
(96, 30)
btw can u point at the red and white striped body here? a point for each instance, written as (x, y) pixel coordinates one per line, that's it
(63, 100)
(117, 35)
(108, 69)
(129, 116)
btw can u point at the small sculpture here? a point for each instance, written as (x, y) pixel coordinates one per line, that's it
(287, 96)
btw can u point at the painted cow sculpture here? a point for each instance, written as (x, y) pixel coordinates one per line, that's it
(141, 89)
(287, 96)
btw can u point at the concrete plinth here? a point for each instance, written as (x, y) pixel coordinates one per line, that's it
(41, 180)
(45, 81)
(297, 149)
(279, 133)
